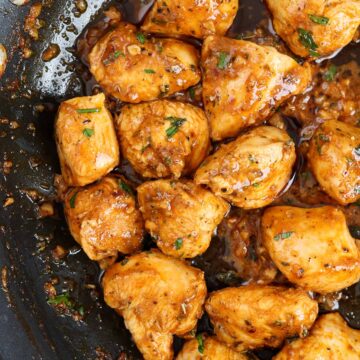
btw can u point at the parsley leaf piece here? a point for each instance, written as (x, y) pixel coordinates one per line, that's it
(62, 299)
(141, 37)
(330, 73)
(321, 20)
(88, 111)
(72, 201)
(125, 187)
(149, 71)
(201, 345)
(178, 243)
(223, 60)
(88, 132)
(192, 93)
(284, 235)
(175, 125)
(305, 37)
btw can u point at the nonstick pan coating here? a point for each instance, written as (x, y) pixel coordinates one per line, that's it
(29, 327)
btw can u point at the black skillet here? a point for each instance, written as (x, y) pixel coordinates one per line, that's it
(29, 327)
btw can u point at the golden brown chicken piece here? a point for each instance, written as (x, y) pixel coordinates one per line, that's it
(86, 140)
(208, 348)
(103, 218)
(158, 296)
(334, 157)
(134, 68)
(251, 170)
(329, 339)
(180, 215)
(163, 138)
(312, 247)
(191, 18)
(254, 316)
(315, 27)
(244, 83)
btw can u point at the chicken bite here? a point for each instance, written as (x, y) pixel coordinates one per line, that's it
(330, 338)
(209, 348)
(86, 140)
(334, 158)
(163, 138)
(312, 247)
(255, 316)
(251, 170)
(104, 219)
(180, 215)
(315, 27)
(244, 83)
(158, 297)
(191, 18)
(134, 68)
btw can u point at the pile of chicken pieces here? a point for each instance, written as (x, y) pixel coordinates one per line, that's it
(189, 188)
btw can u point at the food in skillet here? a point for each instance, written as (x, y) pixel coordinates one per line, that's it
(244, 83)
(209, 348)
(158, 297)
(312, 247)
(255, 316)
(180, 215)
(251, 170)
(3, 59)
(104, 219)
(163, 138)
(330, 338)
(192, 18)
(315, 27)
(334, 157)
(86, 140)
(133, 68)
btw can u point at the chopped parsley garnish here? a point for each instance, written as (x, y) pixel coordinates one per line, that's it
(141, 38)
(125, 187)
(88, 111)
(321, 20)
(149, 71)
(178, 243)
(256, 185)
(192, 93)
(88, 132)
(323, 138)
(62, 299)
(307, 40)
(223, 60)
(201, 345)
(330, 73)
(175, 125)
(284, 235)
(113, 56)
(72, 201)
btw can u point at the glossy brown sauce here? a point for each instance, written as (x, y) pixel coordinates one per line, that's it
(236, 255)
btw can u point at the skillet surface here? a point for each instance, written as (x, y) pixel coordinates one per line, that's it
(29, 327)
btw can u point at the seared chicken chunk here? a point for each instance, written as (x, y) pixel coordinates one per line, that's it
(330, 339)
(86, 140)
(134, 68)
(103, 218)
(192, 18)
(158, 296)
(254, 316)
(244, 83)
(315, 27)
(251, 170)
(312, 247)
(163, 138)
(334, 157)
(180, 215)
(206, 347)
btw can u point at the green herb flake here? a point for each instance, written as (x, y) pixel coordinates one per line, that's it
(357, 150)
(321, 20)
(175, 125)
(72, 201)
(88, 132)
(223, 60)
(62, 299)
(141, 38)
(284, 235)
(178, 243)
(192, 93)
(306, 39)
(125, 187)
(81, 310)
(201, 345)
(255, 185)
(149, 71)
(330, 73)
(88, 111)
